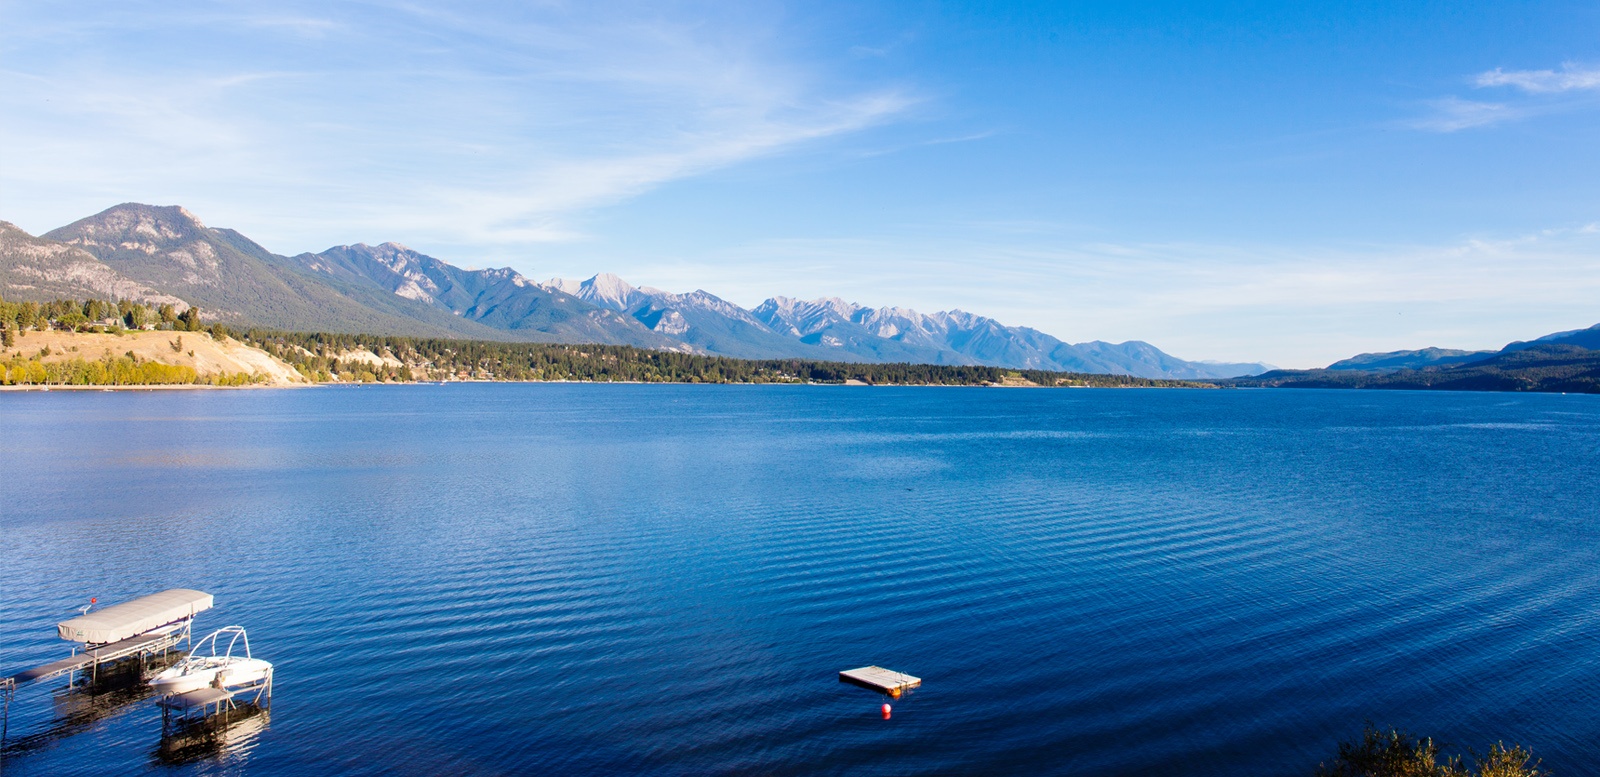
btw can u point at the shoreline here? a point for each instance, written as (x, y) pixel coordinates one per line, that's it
(263, 387)
(43, 389)
(153, 387)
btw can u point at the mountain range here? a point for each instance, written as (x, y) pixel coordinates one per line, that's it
(167, 255)
(1393, 361)
(1564, 361)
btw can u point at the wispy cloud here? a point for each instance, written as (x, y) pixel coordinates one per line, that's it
(308, 26)
(937, 141)
(1451, 114)
(1540, 92)
(1569, 78)
(458, 126)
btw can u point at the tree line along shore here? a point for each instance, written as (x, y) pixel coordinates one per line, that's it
(347, 358)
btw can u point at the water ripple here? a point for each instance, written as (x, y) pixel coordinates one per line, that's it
(666, 580)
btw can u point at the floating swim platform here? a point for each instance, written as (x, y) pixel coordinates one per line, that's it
(879, 679)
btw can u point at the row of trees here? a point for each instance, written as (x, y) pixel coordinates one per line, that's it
(112, 371)
(322, 356)
(19, 317)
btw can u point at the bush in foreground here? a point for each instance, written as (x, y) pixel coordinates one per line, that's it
(1398, 754)
(113, 371)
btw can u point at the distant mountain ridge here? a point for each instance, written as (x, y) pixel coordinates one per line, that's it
(1564, 361)
(825, 328)
(699, 319)
(143, 251)
(1537, 367)
(500, 299)
(1583, 338)
(1444, 357)
(1403, 360)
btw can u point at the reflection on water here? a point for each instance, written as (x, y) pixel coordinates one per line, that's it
(226, 736)
(94, 698)
(90, 699)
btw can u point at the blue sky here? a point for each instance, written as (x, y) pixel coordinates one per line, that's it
(1261, 181)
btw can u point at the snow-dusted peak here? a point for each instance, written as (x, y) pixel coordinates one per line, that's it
(705, 300)
(563, 285)
(960, 319)
(605, 290)
(814, 307)
(805, 317)
(838, 306)
(609, 289)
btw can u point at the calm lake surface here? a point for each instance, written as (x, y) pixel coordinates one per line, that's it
(506, 579)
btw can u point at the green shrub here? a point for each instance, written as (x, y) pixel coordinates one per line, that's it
(1395, 753)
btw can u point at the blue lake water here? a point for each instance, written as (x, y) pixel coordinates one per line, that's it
(505, 579)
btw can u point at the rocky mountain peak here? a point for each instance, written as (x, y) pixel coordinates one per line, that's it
(134, 225)
(389, 287)
(606, 288)
(563, 285)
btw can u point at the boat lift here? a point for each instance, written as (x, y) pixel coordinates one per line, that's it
(178, 709)
(183, 708)
(139, 628)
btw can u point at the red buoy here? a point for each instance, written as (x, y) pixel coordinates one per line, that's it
(885, 711)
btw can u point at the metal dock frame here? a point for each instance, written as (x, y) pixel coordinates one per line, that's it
(178, 708)
(143, 646)
(8, 688)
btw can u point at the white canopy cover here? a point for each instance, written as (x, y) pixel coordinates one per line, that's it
(146, 613)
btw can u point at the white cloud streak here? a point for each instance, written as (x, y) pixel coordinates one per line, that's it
(1539, 88)
(1569, 78)
(457, 127)
(1452, 114)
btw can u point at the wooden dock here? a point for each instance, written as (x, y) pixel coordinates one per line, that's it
(879, 679)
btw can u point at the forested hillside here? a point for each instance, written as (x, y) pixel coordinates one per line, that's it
(1537, 367)
(366, 358)
(344, 358)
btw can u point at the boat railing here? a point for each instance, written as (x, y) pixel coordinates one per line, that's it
(235, 635)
